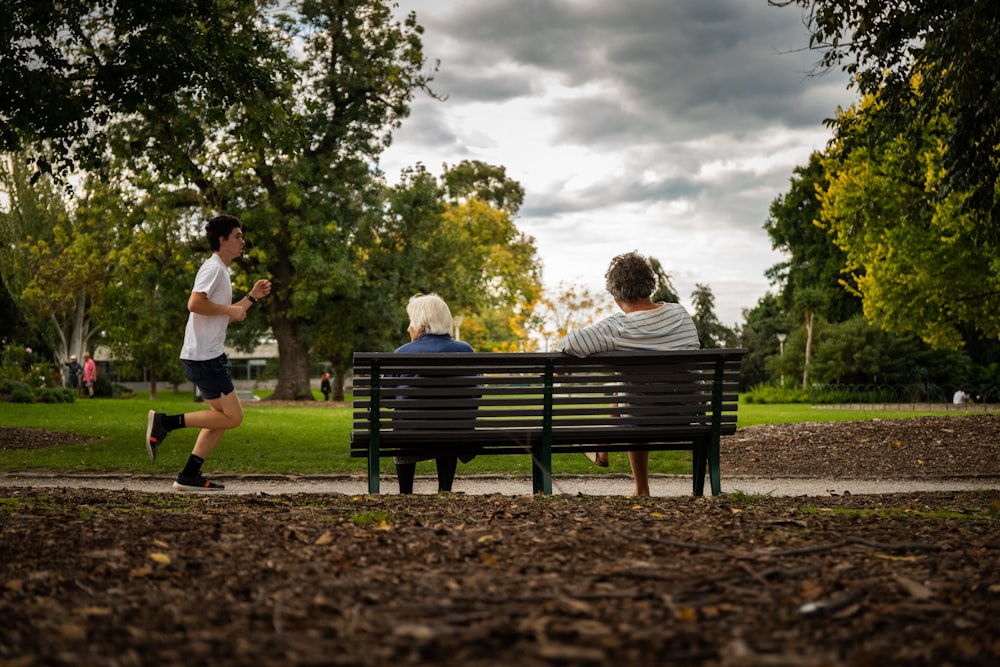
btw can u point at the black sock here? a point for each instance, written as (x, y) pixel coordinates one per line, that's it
(172, 422)
(446, 471)
(193, 467)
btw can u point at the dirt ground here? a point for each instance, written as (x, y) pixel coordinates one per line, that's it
(93, 577)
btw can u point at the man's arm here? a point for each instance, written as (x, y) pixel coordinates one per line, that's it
(199, 304)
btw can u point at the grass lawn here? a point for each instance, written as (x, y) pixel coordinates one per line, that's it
(299, 440)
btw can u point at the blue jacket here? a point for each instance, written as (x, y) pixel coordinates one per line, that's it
(435, 343)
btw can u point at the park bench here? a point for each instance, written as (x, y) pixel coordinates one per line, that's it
(540, 404)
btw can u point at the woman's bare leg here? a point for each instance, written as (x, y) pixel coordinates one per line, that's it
(640, 471)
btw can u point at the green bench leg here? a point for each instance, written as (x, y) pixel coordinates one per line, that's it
(699, 461)
(373, 474)
(541, 470)
(714, 469)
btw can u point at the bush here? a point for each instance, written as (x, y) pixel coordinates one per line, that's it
(55, 395)
(15, 391)
(766, 393)
(20, 395)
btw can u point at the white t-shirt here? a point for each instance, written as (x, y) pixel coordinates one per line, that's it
(205, 335)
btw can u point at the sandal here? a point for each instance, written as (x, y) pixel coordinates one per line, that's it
(599, 459)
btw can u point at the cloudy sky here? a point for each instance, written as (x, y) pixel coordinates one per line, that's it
(664, 126)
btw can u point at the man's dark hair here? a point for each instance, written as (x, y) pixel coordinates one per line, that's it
(220, 227)
(630, 278)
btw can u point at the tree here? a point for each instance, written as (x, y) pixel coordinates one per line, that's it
(814, 261)
(953, 48)
(564, 308)
(69, 68)
(664, 286)
(145, 304)
(808, 303)
(448, 236)
(759, 335)
(711, 332)
(55, 257)
(922, 261)
(854, 352)
(297, 166)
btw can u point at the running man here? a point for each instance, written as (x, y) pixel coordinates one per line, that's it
(203, 354)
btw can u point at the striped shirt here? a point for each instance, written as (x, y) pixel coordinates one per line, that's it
(666, 327)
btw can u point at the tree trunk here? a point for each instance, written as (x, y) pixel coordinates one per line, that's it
(809, 342)
(293, 369)
(339, 375)
(339, 381)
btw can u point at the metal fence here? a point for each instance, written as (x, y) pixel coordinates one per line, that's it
(913, 396)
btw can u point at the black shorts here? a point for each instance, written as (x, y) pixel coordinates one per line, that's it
(211, 376)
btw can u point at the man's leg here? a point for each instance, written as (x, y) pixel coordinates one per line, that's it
(225, 412)
(640, 471)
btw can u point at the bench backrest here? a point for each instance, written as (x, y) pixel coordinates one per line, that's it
(507, 401)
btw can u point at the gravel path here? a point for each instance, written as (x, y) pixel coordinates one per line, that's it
(592, 485)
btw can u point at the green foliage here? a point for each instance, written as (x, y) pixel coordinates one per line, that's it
(664, 285)
(815, 263)
(953, 49)
(144, 309)
(712, 334)
(86, 63)
(55, 256)
(920, 258)
(766, 394)
(303, 98)
(55, 395)
(761, 326)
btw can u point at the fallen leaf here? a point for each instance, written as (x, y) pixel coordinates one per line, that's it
(72, 631)
(909, 559)
(161, 558)
(914, 588)
(685, 613)
(92, 611)
(325, 538)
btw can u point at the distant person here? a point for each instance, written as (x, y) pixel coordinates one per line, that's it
(960, 397)
(203, 356)
(324, 386)
(430, 331)
(89, 373)
(73, 373)
(642, 325)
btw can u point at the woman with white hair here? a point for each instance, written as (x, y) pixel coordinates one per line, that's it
(430, 331)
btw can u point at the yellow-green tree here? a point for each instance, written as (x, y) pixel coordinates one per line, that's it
(921, 259)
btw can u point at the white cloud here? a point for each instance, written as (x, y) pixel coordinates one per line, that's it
(667, 127)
